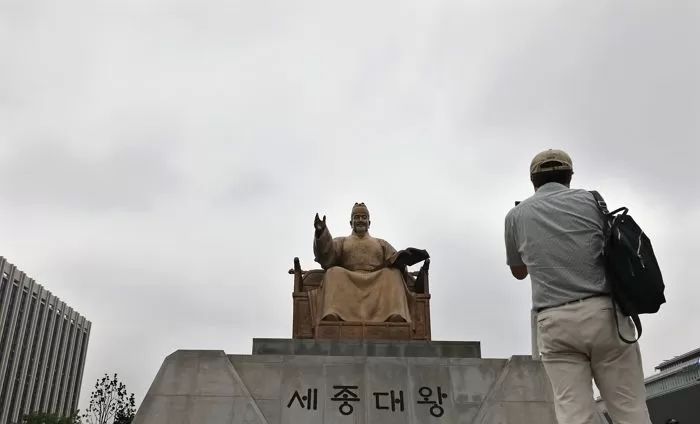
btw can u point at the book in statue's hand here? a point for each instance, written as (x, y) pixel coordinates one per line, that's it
(409, 256)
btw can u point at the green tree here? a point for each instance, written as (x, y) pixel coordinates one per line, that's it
(44, 418)
(110, 403)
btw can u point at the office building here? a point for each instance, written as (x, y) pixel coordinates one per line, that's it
(43, 343)
(673, 393)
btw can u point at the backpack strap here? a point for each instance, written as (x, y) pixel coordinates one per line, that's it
(603, 208)
(607, 217)
(637, 324)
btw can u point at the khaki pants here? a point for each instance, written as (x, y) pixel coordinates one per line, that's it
(579, 342)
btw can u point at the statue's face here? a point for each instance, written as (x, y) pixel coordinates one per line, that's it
(360, 223)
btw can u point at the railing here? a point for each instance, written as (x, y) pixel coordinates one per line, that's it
(673, 381)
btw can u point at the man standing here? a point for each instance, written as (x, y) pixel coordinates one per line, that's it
(556, 236)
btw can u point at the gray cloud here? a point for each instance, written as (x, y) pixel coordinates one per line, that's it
(621, 83)
(48, 174)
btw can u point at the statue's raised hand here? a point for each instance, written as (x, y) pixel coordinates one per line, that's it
(319, 224)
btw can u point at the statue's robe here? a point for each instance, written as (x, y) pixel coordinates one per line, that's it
(359, 283)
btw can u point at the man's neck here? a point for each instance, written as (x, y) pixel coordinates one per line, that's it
(552, 184)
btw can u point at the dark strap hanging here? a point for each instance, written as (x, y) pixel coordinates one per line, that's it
(637, 324)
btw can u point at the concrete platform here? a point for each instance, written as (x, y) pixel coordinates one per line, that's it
(210, 387)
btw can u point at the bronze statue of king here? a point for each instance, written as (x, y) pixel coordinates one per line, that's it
(364, 275)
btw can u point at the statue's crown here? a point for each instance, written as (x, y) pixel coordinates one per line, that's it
(359, 208)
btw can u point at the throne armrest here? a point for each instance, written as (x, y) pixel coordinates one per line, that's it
(305, 280)
(422, 284)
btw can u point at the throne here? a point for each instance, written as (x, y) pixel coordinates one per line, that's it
(305, 324)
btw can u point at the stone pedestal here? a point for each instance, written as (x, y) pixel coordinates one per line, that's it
(314, 382)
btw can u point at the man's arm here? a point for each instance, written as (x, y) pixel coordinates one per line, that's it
(519, 271)
(324, 246)
(517, 267)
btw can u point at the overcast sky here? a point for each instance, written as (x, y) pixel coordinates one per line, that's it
(162, 161)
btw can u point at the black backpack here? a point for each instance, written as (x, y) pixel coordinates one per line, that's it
(635, 278)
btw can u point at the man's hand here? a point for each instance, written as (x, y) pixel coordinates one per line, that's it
(519, 271)
(319, 224)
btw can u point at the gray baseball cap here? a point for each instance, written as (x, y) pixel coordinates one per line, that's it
(551, 160)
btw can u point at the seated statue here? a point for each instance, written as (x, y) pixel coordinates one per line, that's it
(364, 278)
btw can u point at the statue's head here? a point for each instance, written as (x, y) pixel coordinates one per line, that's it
(359, 219)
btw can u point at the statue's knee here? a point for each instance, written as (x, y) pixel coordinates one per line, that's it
(333, 271)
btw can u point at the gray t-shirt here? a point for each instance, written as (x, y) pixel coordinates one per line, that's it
(558, 234)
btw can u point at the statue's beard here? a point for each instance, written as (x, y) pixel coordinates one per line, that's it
(361, 229)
